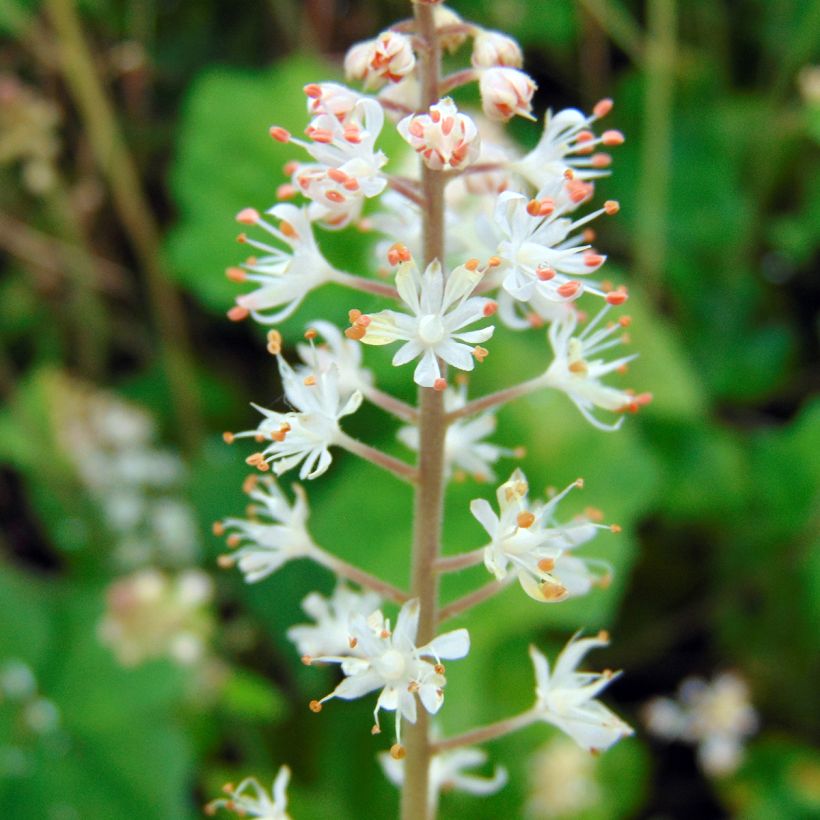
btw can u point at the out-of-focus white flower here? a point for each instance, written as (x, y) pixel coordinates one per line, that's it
(275, 533)
(330, 634)
(537, 244)
(339, 351)
(399, 98)
(392, 662)
(388, 57)
(440, 310)
(506, 92)
(527, 540)
(566, 698)
(445, 139)
(716, 716)
(464, 448)
(249, 799)
(576, 373)
(151, 614)
(447, 773)
(284, 277)
(492, 48)
(445, 17)
(306, 434)
(562, 781)
(568, 143)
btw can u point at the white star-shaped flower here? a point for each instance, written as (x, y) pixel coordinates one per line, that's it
(566, 698)
(284, 276)
(274, 534)
(330, 634)
(440, 309)
(306, 434)
(339, 351)
(392, 662)
(249, 799)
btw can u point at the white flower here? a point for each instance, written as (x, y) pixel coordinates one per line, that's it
(440, 311)
(526, 540)
(284, 276)
(445, 139)
(338, 351)
(566, 698)
(492, 48)
(274, 534)
(445, 17)
(506, 92)
(387, 57)
(569, 143)
(447, 773)
(331, 98)
(464, 448)
(577, 374)
(716, 715)
(306, 434)
(330, 634)
(537, 245)
(562, 781)
(393, 663)
(249, 799)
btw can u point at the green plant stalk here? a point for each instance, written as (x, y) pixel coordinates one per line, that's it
(120, 171)
(429, 497)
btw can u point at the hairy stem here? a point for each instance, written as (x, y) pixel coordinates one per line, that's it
(358, 576)
(486, 733)
(429, 499)
(399, 468)
(391, 404)
(496, 399)
(354, 282)
(477, 596)
(454, 563)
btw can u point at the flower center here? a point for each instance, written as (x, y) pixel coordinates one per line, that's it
(431, 329)
(391, 665)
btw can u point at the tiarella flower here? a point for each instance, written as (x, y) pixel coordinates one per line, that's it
(538, 245)
(464, 448)
(249, 799)
(562, 781)
(306, 434)
(392, 662)
(388, 57)
(274, 533)
(284, 276)
(434, 330)
(330, 634)
(331, 98)
(537, 311)
(506, 92)
(569, 143)
(447, 773)
(717, 716)
(492, 48)
(577, 374)
(526, 539)
(445, 139)
(336, 350)
(566, 698)
(444, 18)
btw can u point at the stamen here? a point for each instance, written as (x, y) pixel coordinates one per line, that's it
(237, 313)
(315, 706)
(397, 751)
(279, 134)
(248, 216)
(525, 519)
(227, 437)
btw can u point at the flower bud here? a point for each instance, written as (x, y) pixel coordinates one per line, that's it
(388, 57)
(331, 98)
(445, 139)
(450, 41)
(506, 92)
(491, 48)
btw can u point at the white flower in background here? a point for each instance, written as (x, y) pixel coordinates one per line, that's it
(506, 92)
(566, 698)
(562, 781)
(464, 448)
(392, 662)
(440, 311)
(275, 533)
(249, 799)
(526, 540)
(336, 350)
(447, 773)
(306, 434)
(568, 143)
(399, 98)
(492, 48)
(537, 244)
(284, 277)
(330, 634)
(444, 17)
(577, 374)
(716, 716)
(445, 139)
(388, 57)
(150, 614)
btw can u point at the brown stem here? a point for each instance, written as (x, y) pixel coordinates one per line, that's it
(485, 733)
(453, 563)
(391, 404)
(496, 399)
(399, 468)
(350, 280)
(456, 80)
(358, 576)
(406, 189)
(477, 596)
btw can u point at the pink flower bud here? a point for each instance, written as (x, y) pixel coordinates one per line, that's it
(445, 139)
(491, 48)
(506, 92)
(388, 57)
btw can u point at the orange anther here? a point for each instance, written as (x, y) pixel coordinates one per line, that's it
(612, 207)
(249, 484)
(218, 529)
(617, 297)
(248, 216)
(288, 229)
(279, 134)
(336, 175)
(228, 438)
(315, 706)
(334, 196)
(314, 91)
(290, 168)
(225, 561)
(397, 751)
(356, 332)
(579, 483)
(237, 313)
(309, 381)
(569, 289)
(233, 541)
(472, 264)
(593, 260)
(480, 353)
(612, 138)
(525, 519)
(286, 191)
(544, 273)
(236, 274)
(242, 238)
(490, 308)
(493, 262)
(533, 207)
(601, 160)
(546, 565)
(353, 314)
(311, 333)
(625, 321)
(615, 528)
(440, 384)
(603, 635)
(602, 108)
(546, 207)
